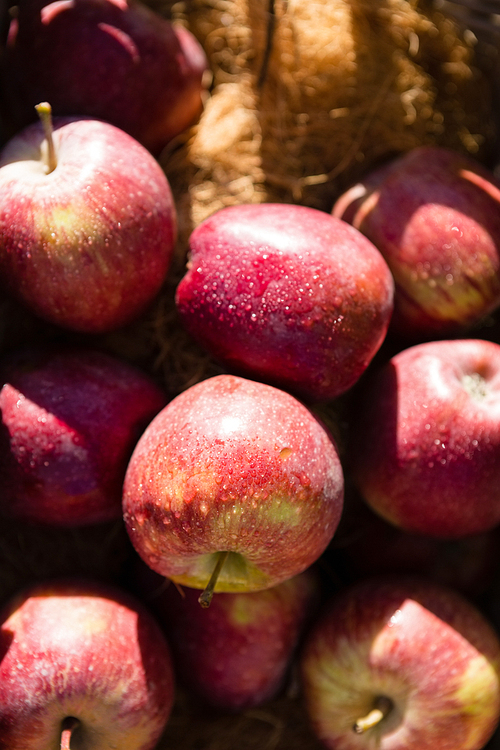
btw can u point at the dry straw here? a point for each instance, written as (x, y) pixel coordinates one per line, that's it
(307, 96)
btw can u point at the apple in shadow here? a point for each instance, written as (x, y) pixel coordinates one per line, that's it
(238, 653)
(434, 214)
(69, 420)
(113, 60)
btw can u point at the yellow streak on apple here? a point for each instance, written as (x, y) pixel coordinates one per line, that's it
(479, 682)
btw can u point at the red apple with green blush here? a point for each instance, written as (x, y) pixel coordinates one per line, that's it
(238, 653)
(87, 223)
(434, 214)
(82, 665)
(424, 438)
(401, 663)
(237, 473)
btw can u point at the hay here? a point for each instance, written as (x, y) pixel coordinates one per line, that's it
(306, 97)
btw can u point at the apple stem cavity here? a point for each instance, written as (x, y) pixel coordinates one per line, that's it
(208, 592)
(70, 723)
(44, 111)
(382, 707)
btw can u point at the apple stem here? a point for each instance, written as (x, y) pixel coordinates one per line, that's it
(380, 710)
(44, 111)
(208, 592)
(68, 725)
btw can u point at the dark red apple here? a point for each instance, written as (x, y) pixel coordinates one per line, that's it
(434, 214)
(115, 60)
(286, 294)
(237, 472)
(398, 663)
(82, 665)
(425, 438)
(236, 654)
(87, 232)
(69, 422)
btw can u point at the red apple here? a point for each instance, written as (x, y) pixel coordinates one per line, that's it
(237, 654)
(114, 60)
(434, 214)
(69, 422)
(425, 438)
(84, 662)
(86, 237)
(286, 294)
(402, 664)
(237, 472)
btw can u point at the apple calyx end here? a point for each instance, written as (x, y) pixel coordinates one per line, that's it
(69, 724)
(44, 111)
(206, 595)
(381, 708)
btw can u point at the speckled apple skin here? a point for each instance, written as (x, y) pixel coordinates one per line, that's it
(70, 648)
(123, 63)
(434, 214)
(422, 645)
(286, 294)
(88, 245)
(233, 465)
(69, 421)
(425, 438)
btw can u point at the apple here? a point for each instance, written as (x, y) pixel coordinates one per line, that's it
(113, 60)
(402, 663)
(434, 214)
(87, 223)
(365, 544)
(286, 294)
(237, 654)
(82, 665)
(234, 486)
(70, 419)
(424, 443)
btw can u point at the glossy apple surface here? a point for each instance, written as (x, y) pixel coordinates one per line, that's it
(233, 465)
(434, 214)
(237, 653)
(286, 294)
(420, 652)
(425, 438)
(69, 421)
(87, 245)
(123, 63)
(74, 649)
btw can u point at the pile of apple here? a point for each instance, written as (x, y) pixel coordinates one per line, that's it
(265, 535)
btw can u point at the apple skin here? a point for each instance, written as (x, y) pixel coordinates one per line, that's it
(424, 442)
(236, 654)
(239, 466)
(423, 646)
(123, 63)
(70, 419)
(286, 294)
(82, 649)
(88, 245)
(434, 214)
